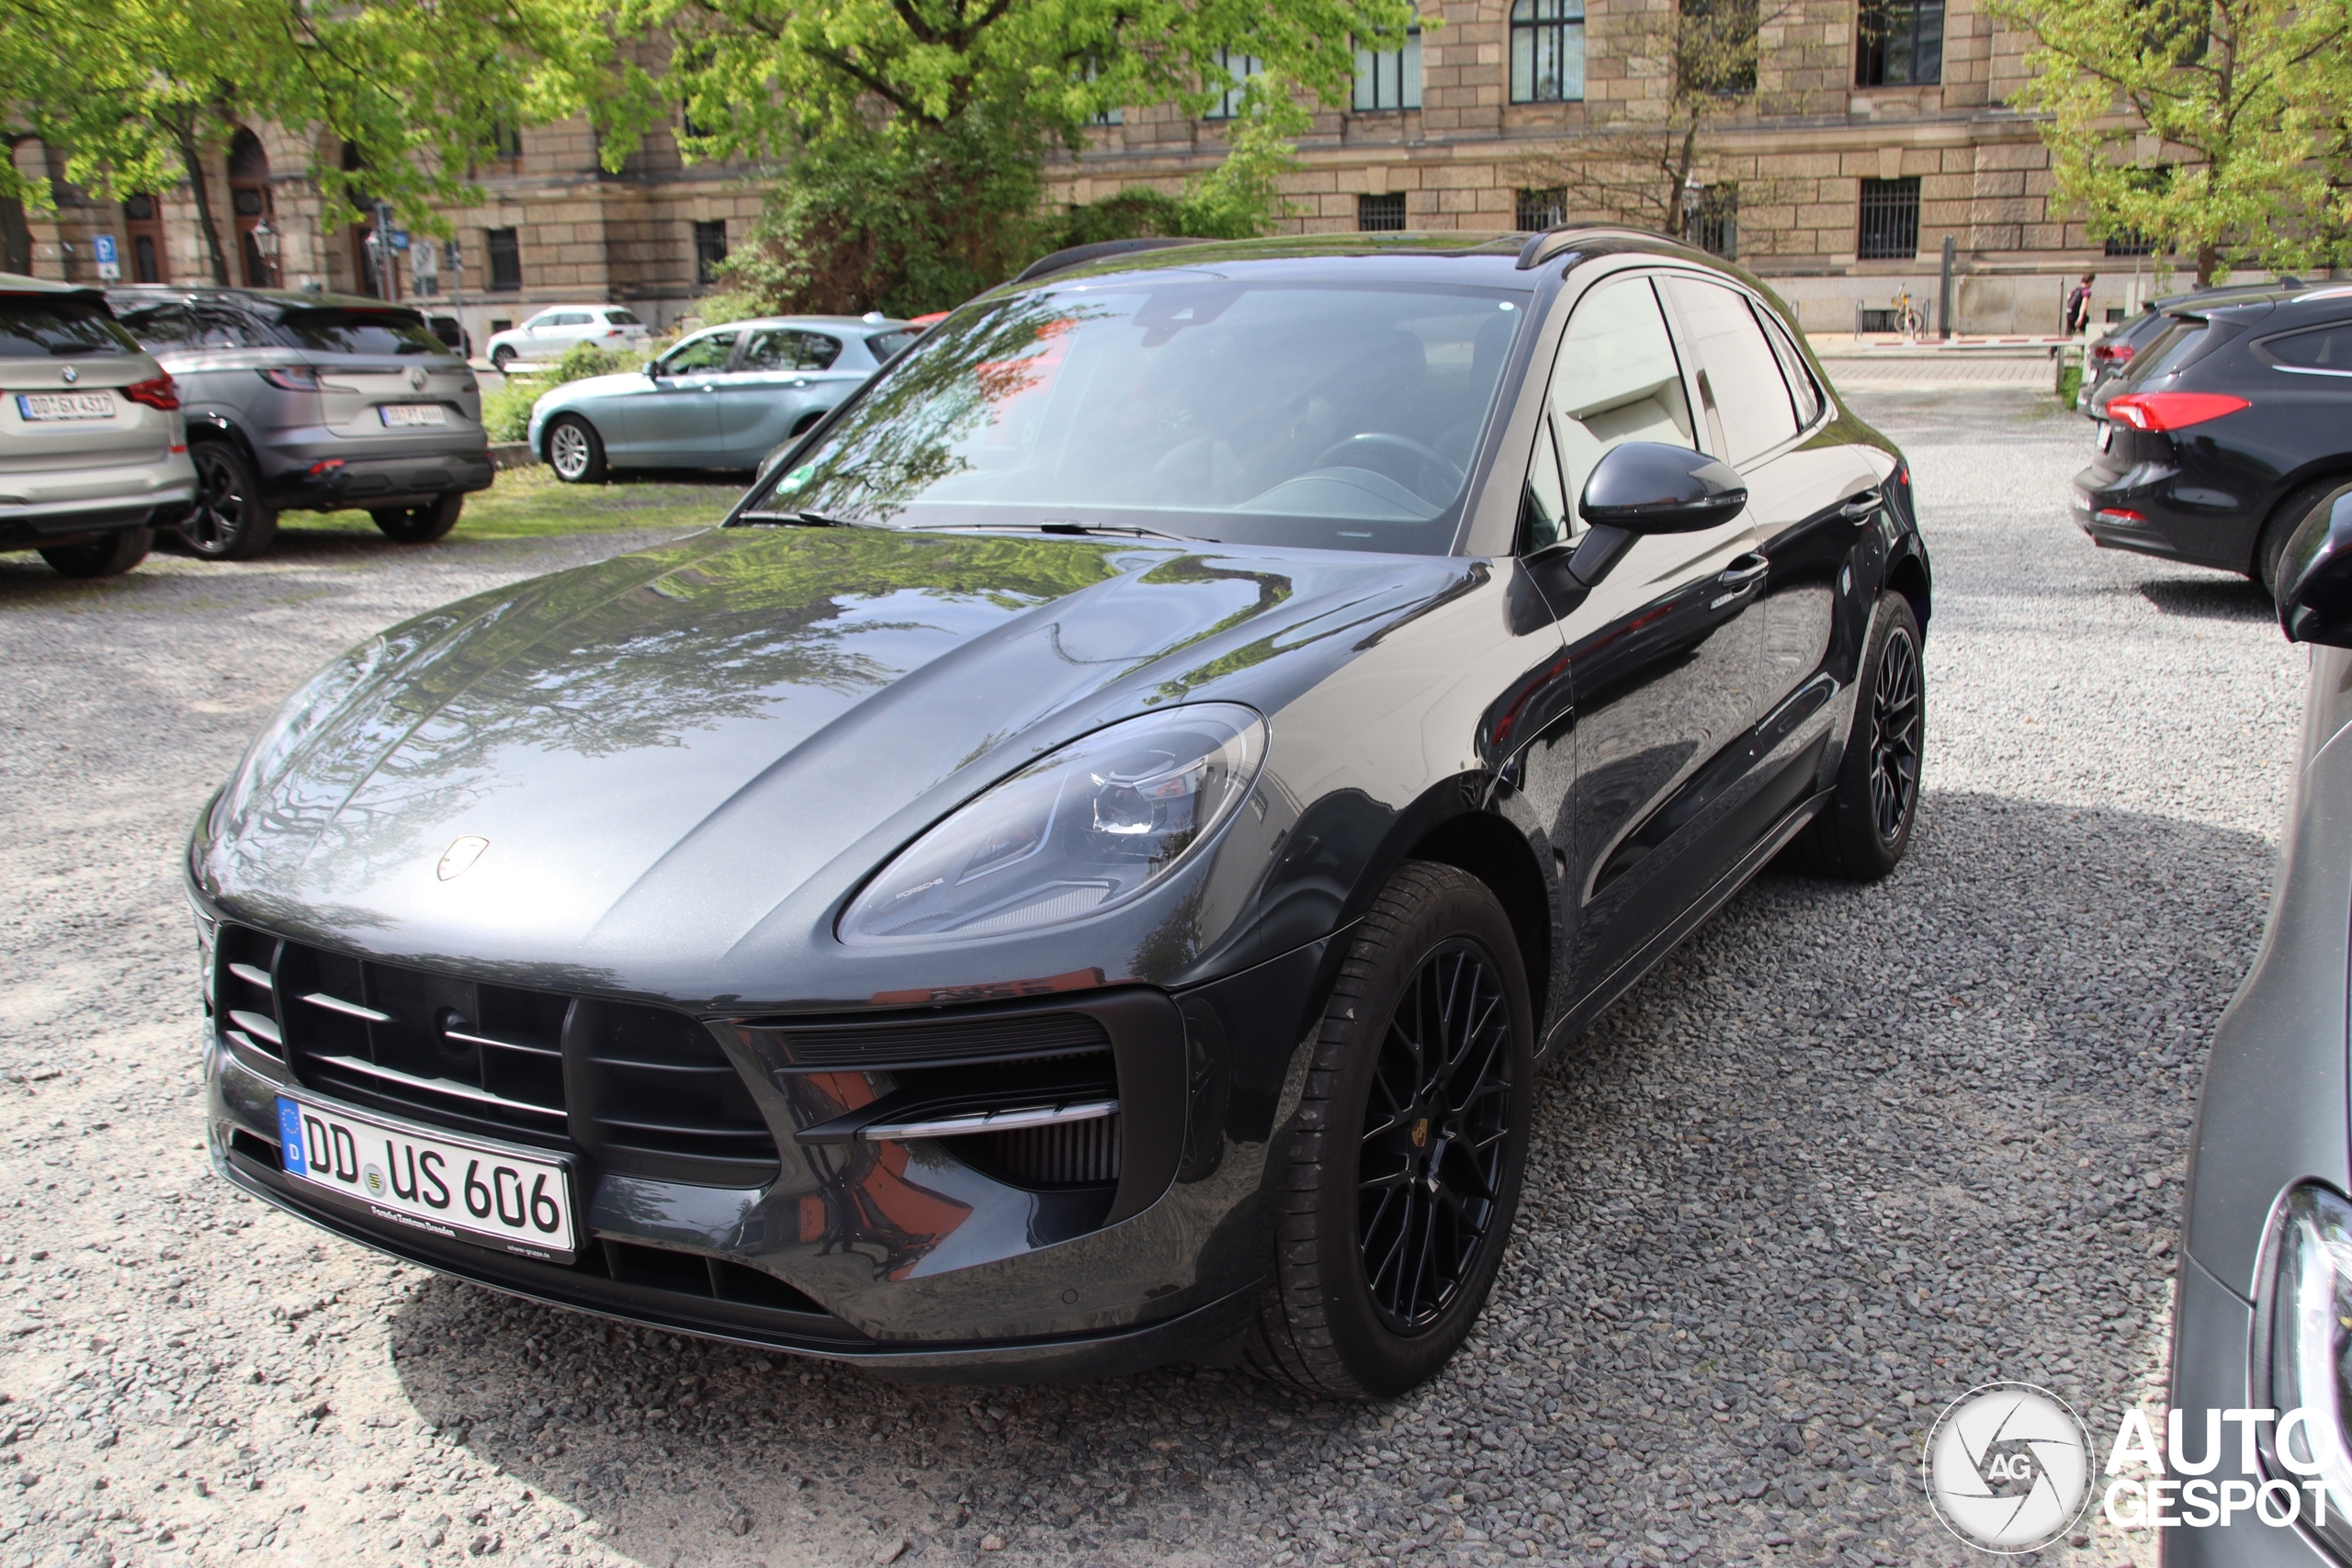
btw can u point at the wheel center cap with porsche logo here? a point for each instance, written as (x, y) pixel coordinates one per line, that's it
(1421, 1134)
(459, 857)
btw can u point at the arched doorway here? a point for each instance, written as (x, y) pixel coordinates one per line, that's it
(249, 200)
(142, 221)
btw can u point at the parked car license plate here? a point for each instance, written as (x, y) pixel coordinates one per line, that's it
(398, 414)
(65, 405)
(451, 1186)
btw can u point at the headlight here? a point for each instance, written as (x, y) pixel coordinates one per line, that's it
(2310, 1339)
(1076, 832)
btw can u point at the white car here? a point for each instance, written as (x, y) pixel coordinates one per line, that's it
(557, 328)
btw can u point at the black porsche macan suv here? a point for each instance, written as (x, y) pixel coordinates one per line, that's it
(2234, 426)
(1081, 868)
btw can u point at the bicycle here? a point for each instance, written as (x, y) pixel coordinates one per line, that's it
(1909, 320)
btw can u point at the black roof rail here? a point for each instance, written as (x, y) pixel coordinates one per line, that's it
(1541, 248)
(1078, 255)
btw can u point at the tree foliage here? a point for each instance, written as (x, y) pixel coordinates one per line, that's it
(138, 94)
(2220, 130)
(915, 131)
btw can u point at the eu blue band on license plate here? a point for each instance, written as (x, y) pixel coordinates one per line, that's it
(290, 1136)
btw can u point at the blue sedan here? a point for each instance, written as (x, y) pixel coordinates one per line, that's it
(723, 398)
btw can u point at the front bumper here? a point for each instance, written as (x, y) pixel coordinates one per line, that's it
(2213, 1334)
(336, 484)
(923, 1268)
(2157, 510)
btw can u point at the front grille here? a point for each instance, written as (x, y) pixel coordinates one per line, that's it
(933, 1042)
(642, 1089)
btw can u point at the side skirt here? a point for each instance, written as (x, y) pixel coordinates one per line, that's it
(1630, 972)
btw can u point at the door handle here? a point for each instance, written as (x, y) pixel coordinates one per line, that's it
(1748, 568)
(1860, 506)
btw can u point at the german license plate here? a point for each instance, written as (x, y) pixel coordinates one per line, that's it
(427, 1180)
(36, 406)
(399, 415)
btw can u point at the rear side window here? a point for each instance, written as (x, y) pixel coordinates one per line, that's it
(784, 348)
(2324, 348)
(884, 345)
(359, 332)
(160, 327)
(1752, 398)
(58, 327)
(623, 317)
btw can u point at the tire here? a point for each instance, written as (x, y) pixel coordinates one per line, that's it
(2291, 516)
(421, 525)
(109, 556)
(1344, 1318)
(230, 520)
(574, 450)
(501, 357)
(1863, 832)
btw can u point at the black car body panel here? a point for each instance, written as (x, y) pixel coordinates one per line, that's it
(687, 763)
(2204, 493)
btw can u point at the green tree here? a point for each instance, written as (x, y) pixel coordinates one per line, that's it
(139, 95)
(915, 131)
(2217, 130)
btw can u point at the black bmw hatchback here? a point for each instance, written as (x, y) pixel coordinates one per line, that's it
(2230, 429)
(1082, 868)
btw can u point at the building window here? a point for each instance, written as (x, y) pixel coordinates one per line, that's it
(1901, 43)
(2130, 242)
(1889, 221)
(1378, 214)
(1539, 210)
(505, 260)
(1714, 224)
(1548, 51)
(1238, 68)
(710, 249)
(1390, 80)
(145, 225)
(506, 144)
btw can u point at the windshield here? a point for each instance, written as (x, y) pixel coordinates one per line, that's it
(1320, 414)
(358, 332)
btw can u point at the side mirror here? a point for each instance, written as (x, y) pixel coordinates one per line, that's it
(1648, 487)
(654, 369)
(2315, 577)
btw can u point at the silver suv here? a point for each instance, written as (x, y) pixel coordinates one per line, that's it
(93, 452)
(313, 403)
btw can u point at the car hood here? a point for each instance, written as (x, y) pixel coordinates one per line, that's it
(662, 747)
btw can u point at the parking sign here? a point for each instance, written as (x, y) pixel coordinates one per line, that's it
(109, 267)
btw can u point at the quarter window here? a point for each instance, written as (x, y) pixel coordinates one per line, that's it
(1546, 51)
(2328, 349)
(1901, 43)
(1390, 80)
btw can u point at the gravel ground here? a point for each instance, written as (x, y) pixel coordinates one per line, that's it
(1848, 1153)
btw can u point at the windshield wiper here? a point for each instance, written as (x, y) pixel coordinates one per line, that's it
(803, 519)
(1081, 530)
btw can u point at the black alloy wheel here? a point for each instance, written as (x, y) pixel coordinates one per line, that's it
(501, 357)
(1866, 828)
(109, 556)
(1434, 1136)
(421, 525)
(1895, 736)
(1404, 1161)
(230, 520)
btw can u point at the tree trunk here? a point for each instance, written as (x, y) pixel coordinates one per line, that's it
(1674, 213)
(2209, 261)
(183, 130)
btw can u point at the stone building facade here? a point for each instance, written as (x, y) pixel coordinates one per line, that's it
(1877, 130)
(552, 227)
